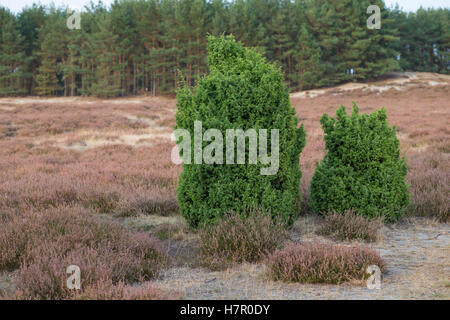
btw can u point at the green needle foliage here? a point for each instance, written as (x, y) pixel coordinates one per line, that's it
(242, 91)
(363, 170)
(135, 47)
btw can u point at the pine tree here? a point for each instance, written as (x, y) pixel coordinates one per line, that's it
(148, 19)
(107, 81)
(11, 55)
(52, 36)
(220, 17)
(30, 20)
(308, 68)
(350, 51)
(192, 20)
(443, 45)
(424, 39)
(149, 41)
(282, 27)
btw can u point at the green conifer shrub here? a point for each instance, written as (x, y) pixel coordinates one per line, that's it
(363, 170)
(242, 91)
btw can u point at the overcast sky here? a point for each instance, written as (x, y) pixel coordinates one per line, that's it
(408, 5)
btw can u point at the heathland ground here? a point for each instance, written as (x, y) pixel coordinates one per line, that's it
(111, 160)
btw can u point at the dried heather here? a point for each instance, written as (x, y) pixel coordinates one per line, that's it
(235, 239)
(43, 244)
(314, 262)
(350, 226)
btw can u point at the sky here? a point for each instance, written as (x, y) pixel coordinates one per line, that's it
(17, 5)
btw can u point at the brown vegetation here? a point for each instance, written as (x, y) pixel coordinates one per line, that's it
(312, 262)
(235, 239)
(41, 245)
(350, 226)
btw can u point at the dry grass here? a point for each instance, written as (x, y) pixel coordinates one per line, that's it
(350, 226)
(314, 262)
(417, 261)
(109, 291)
(431, 276)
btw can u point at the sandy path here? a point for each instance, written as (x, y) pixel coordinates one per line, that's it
(418, 267)
(396, 81)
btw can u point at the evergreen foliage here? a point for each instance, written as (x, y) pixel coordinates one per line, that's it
(138, 46)
(242, 91)
(11, 55)
(362, 170)
(424, 39)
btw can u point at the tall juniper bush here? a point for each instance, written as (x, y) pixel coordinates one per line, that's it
(242, 91)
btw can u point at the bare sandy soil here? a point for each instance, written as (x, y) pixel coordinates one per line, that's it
(417, 253)
(119, 150)
(394, 80)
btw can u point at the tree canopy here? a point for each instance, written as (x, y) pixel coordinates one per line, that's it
(139, 46)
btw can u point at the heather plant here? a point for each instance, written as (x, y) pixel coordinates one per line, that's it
(350, 226)
(314, 262)
(42, 244)
(132, 182)
(142, 203)
(362, 170)
(242, 91)
(43, 170)
(430, 177)
(237, 238)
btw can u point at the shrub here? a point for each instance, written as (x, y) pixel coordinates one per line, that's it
(429, 177)
(363, 169)
(42, 245)
(322, 263)
(236, 238)
(242, 91)
(350, 226)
